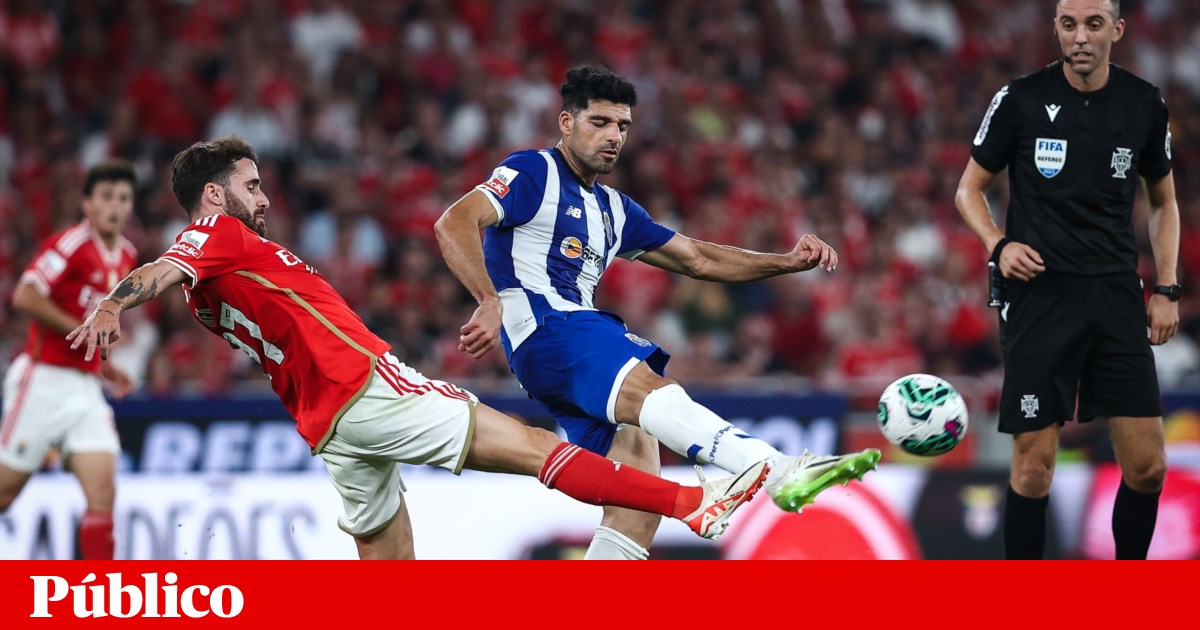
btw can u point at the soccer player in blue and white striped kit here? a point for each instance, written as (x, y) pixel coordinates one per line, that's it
(552, 230)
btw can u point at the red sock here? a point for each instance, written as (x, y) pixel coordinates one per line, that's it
(96, 535)
(589, 478)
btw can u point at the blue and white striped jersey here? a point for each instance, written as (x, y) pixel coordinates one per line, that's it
(555, 238)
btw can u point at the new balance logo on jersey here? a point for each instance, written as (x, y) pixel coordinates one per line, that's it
(1029, 405)
(1122, 161)
(1052, 111)
(574, 212)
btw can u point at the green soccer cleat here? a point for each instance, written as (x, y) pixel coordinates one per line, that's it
(808, 475)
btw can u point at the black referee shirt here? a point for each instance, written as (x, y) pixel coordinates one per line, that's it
(1073, 163)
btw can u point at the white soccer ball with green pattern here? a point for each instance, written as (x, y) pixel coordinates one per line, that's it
(923, 414)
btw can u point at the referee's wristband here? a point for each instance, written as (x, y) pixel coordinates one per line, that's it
(995, 257)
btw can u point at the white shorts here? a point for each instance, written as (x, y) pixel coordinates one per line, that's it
(402, 418)
(48, 406)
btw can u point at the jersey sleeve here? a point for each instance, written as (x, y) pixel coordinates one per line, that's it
(1156, 155)
(47, 270)
(994, 142)
(640, 234)
(516, 187)
(207, 248)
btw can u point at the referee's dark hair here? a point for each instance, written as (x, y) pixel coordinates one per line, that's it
(587, 83)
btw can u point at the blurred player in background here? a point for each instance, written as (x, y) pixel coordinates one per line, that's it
(1076, 138)
(52, 395)
(358, 407)
(552, 230)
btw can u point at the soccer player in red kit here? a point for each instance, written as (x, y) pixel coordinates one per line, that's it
(358, 407)
(53, 395)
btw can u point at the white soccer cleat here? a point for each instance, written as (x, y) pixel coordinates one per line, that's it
(808, 475)
(722, 497)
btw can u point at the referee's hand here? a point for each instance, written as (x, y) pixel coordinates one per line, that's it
(1163, 317)
(1020, 261)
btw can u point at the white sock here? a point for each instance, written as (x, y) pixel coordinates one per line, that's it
(690, 429)
(610, 544)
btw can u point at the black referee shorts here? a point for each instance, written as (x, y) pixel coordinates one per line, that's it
(1065, 336)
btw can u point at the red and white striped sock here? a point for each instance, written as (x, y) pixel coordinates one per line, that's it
(596, 480)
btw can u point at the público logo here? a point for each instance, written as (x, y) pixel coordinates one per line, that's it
(148, 599)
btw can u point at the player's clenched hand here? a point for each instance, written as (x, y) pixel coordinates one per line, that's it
(811, 252)
(1020, 261)
(1163, 317)
(101, 328)
(482, 333)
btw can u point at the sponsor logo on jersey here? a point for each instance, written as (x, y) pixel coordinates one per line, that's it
(571, 247)
(1122, 161)
(191, 243)
(1052, 111)
(187, 249)
(987, 117)
(1050, 155)
(501, 181)
(638, 340)
(51, 263)
(194, 238)
(574, 212)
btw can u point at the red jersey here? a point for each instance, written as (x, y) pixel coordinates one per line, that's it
(75, 269)
(268, 303)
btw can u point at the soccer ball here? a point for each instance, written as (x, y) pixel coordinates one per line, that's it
(922, 414)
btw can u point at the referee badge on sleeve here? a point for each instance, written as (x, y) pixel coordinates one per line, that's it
(1050, 155)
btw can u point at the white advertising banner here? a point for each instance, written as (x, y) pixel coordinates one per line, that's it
(250, 516)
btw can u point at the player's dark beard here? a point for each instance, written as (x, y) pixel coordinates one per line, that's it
(238, 210)
(598, 165)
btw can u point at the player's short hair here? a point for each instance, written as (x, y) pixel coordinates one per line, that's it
(109, 171)
(587, 83)
(1115, 4)
(206, 162)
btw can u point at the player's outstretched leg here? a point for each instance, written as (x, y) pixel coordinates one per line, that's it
(663, 409)
(502, 444)
(806, 476)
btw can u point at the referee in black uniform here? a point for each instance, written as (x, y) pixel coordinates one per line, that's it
(1076, 137)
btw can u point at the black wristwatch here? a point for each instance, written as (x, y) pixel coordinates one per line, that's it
(1172, 291)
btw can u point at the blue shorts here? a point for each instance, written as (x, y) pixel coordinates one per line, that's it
(574, 365)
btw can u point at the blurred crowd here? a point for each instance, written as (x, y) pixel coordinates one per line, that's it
(757, 121)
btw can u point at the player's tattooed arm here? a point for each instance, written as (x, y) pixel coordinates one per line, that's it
(142, 285)
(103, 327)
